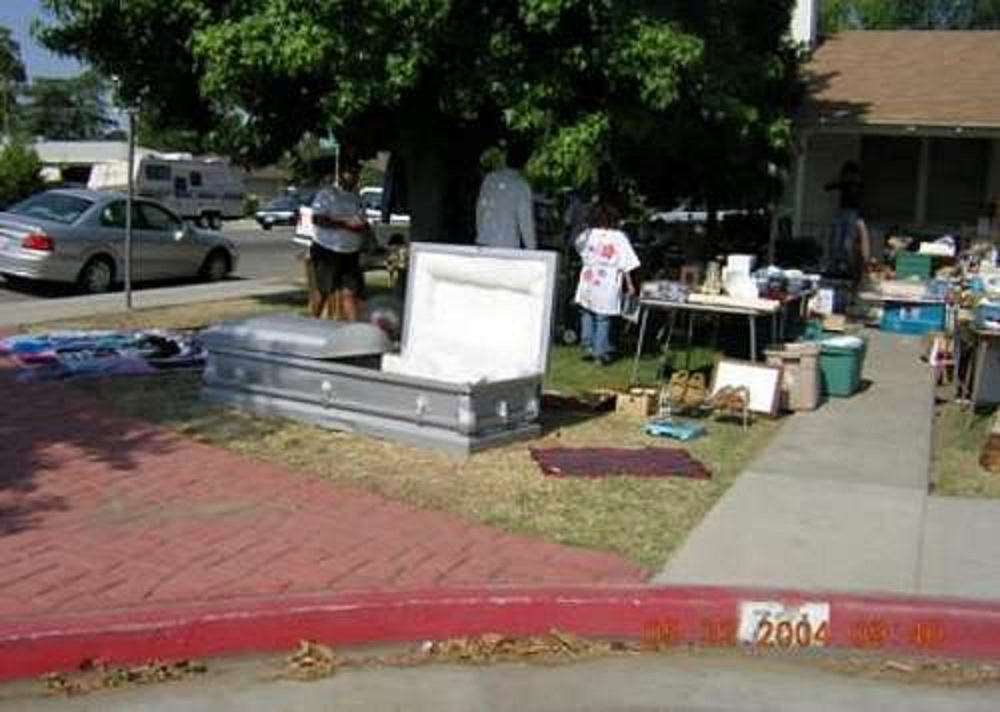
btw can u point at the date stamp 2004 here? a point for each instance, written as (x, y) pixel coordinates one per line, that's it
(779, 626)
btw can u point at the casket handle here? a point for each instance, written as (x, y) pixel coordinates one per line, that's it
(423, 407)
(326, 391)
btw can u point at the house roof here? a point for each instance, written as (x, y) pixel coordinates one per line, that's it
(911, 78)
(83, 152)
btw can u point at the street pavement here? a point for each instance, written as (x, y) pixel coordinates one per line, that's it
(269, 255)
(700, 682)
(840, 501)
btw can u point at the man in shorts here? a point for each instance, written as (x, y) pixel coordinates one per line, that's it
(341, 232)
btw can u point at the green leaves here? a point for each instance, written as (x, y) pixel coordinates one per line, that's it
(572, 154)
(654, 56)
(19, 173)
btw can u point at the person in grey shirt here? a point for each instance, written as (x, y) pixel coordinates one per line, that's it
(505, 211)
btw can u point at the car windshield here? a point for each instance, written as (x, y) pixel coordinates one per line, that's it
(282, 204)
(57, 207)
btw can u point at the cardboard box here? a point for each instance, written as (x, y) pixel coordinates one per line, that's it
(635, 402)
(835, 322)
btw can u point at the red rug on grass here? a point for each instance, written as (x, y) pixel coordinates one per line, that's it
(609, 461)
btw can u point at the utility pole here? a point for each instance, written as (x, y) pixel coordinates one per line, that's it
(128, 208)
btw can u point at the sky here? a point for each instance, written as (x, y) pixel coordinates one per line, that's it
(39, 62)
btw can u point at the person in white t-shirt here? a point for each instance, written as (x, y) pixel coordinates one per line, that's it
(608, 261)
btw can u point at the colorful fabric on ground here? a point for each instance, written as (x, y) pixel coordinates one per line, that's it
(605, 462)
(71, 354)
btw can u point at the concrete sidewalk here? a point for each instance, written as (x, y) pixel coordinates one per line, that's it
(33, 312)
(839, 501)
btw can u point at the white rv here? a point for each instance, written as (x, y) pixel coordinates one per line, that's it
(206, 190)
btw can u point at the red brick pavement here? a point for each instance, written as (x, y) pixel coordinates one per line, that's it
(100, 512)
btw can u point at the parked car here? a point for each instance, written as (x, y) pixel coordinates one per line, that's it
(78, 236)
(689, 213)
(396, 232)
(280, 211)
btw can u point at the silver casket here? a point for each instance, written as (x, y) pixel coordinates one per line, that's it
(468, 375)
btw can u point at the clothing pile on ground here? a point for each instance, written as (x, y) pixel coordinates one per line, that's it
(71, 354)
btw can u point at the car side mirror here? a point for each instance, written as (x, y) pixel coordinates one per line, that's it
(181, 233)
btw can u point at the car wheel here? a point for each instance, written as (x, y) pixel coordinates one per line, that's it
(266, 225)
(201, 220)
(216, 266)
(14, 281)
(97, 276)
(214, 221)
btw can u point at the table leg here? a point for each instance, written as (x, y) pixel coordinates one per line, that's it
(978, 371)
(670, 331)
(753, 339)
(690, 341)
(643, 317)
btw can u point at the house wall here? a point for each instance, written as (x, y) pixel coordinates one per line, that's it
(899, 197)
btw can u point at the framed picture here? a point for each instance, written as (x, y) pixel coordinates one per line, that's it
(763, 382)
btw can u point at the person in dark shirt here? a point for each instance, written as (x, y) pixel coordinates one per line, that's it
(848, 223)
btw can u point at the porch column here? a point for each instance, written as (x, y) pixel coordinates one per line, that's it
(923, 179)
(800, 186)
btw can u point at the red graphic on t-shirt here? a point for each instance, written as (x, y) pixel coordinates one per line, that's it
(588, 275)
(607, 251)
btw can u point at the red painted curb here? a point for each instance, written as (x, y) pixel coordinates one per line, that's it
(663, 615)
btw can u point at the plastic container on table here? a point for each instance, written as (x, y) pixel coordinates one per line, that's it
(912, 265)
(916, 319)
(841, 361)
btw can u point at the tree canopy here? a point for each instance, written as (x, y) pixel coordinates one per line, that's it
(677, 97)
(11, 76)
(71, 108)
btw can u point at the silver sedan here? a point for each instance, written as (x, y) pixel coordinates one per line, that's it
(78, 236)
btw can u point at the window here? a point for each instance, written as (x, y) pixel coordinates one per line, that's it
(113, 215)
(157, 172)
(57, 207)
(956, 187)
(180, 186)
(195, 179)
(889, 168)
(372, 201)
(153, 217)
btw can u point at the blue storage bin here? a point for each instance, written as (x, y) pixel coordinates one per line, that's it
(987, 312)
(918, 319)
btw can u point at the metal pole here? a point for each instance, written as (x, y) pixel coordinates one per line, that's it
(336, 165)
(128, 209)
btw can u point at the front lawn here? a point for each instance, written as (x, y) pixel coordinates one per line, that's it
(641, 519)
(959, 436)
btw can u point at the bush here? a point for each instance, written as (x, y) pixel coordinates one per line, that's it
(20, 173)
(251, 203)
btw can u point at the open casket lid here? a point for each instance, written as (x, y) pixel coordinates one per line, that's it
(476, 313)
(293, 335)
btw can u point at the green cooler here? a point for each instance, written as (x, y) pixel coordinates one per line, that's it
(841, 359)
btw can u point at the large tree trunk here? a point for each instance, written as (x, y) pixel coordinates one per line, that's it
(442, 168)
